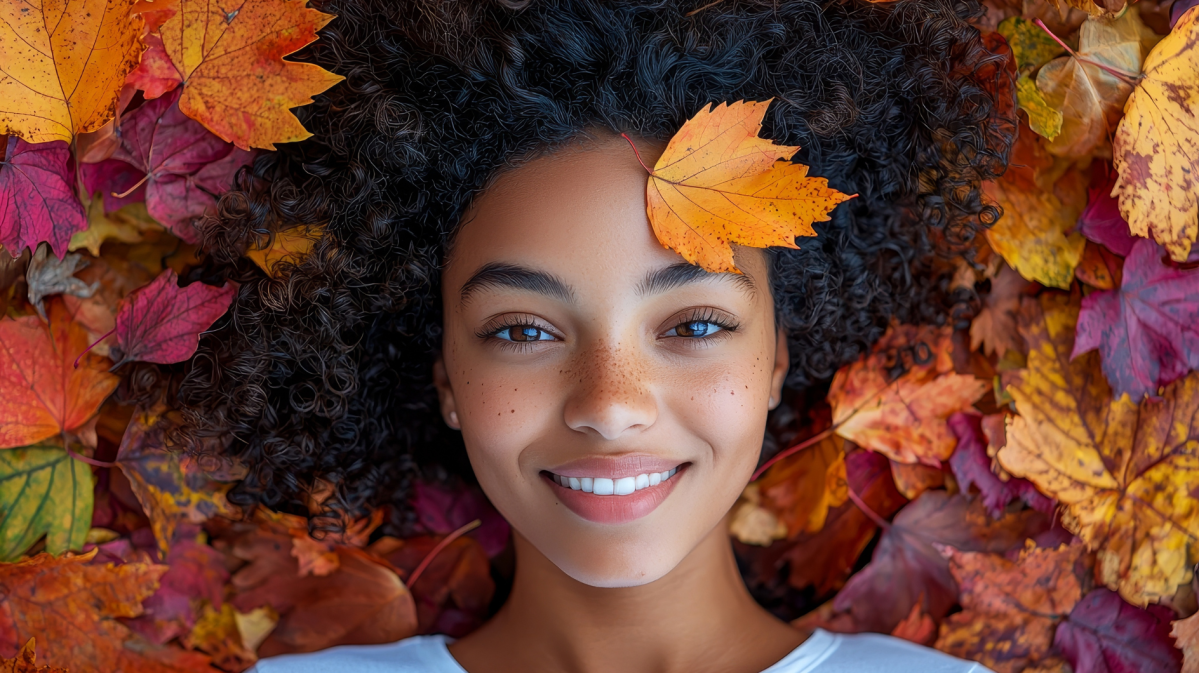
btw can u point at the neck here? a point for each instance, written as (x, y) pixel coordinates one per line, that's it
(698, 617)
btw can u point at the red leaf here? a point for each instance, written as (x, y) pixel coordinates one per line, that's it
(972, 466)
(1101, 221)
(1147, 332)
(442, 510)
(169, 147)
(112, 179)
(37, 197)
(907, 567)
(1106, 635)
(161, 322)
(155, 74)
(195, 571)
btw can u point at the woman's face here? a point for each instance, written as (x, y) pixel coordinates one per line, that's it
(577, 349)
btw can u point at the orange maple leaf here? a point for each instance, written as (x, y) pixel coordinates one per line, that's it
(42, 394)
(1125, 472)
(71, 606)
(718, 183)
(904, 418)
(1011, 608)
(63, 65)
(231, 65)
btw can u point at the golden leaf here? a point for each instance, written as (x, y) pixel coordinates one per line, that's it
(1124, 472)
(62, 65)
(1156, 148)
(718, 184)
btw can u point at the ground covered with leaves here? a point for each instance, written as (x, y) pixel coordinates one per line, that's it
(1018, 488)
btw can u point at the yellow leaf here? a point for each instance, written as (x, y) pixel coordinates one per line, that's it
(802, 488)
(290, 245)
(718, 183)
(1156, 148)
(231, 66)
(753, 524)
(1031, 236)
(1042, 117)
(125, 225)
(1031, 45)
(1124, 472)
(62, 65)
(1089, 98)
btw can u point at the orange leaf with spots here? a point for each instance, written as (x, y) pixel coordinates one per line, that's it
(64, 63)
(230, 63)
(42, 394)
(897, 399)
(718, 184)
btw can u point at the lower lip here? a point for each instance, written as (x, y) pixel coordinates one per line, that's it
(614, 509)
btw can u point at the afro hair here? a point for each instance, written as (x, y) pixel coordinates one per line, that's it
(324, 371)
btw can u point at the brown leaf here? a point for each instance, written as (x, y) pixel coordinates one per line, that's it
(802, 488)
(26, 662)
(994, 328)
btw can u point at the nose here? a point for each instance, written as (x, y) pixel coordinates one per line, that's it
(611, 397)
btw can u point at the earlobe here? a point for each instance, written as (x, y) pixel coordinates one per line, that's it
(782, 363)
(445, 394)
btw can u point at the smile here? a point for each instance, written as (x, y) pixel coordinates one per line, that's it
(605, 486)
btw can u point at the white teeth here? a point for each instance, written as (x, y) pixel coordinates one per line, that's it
(622, 486)
(625, 486)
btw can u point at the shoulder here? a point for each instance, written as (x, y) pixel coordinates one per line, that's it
(422, 654)
(826, 652)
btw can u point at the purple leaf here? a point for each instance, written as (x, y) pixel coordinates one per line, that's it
(37, 197)
(111, 179)
(1147, 332)
(442, 510)
(161, 322)
(1101, 221)
(972, 466)
(1106, 635)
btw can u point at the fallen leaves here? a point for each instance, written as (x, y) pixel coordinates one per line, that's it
(1156, 146)
(64, 65)
(26, 661)
(162, 322)
(1124, 472)
(903, 417)
(230, 67)
(43, 492)
(39, 358)
(717, 184)
(41, 203)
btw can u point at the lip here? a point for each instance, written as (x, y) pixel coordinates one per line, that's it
(616, 509)
(615, 467)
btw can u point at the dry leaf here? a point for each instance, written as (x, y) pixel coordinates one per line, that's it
(1124, 472)
(64, 64)
(1156, 148)
(289, 245)
(753, 524)
(903, 418)
(26, 662)
(230, 64)
(802, 488)
(994, 328)
(718, 184)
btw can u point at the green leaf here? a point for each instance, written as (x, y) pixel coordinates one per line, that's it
(43, 491)
(1043, 118)
(1031, 46)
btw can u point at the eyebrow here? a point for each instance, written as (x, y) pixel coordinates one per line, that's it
(683, 273)
(513, 276)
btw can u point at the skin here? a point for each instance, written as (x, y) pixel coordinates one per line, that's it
(608, 372)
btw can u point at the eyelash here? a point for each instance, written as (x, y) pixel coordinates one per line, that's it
(491, 331)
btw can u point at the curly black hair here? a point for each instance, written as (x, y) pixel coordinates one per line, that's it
(324, 371)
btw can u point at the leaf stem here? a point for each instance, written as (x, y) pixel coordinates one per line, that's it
(792, 450)
(85, 350)
(1118, 74)
(89, 461)
(132, 189)
(647, 168)
(437, 550)
(870, 513)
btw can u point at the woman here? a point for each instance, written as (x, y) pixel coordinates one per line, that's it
(488, 285)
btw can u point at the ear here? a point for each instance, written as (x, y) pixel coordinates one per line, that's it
(445, 394)
(782, 362)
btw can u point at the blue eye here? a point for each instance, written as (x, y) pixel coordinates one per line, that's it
(695, 328)
(523, 334)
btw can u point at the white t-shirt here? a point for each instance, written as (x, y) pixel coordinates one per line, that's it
(823, 652)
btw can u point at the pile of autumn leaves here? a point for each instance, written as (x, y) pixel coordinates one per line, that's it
(1036, 478)
(1037, 471)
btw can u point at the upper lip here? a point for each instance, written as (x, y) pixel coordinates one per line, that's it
(615, 467)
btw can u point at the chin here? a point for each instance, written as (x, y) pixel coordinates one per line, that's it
(605, 569)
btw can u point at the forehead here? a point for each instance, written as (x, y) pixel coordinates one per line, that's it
(578, 208)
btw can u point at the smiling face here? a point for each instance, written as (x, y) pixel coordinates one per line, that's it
(580, 355)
